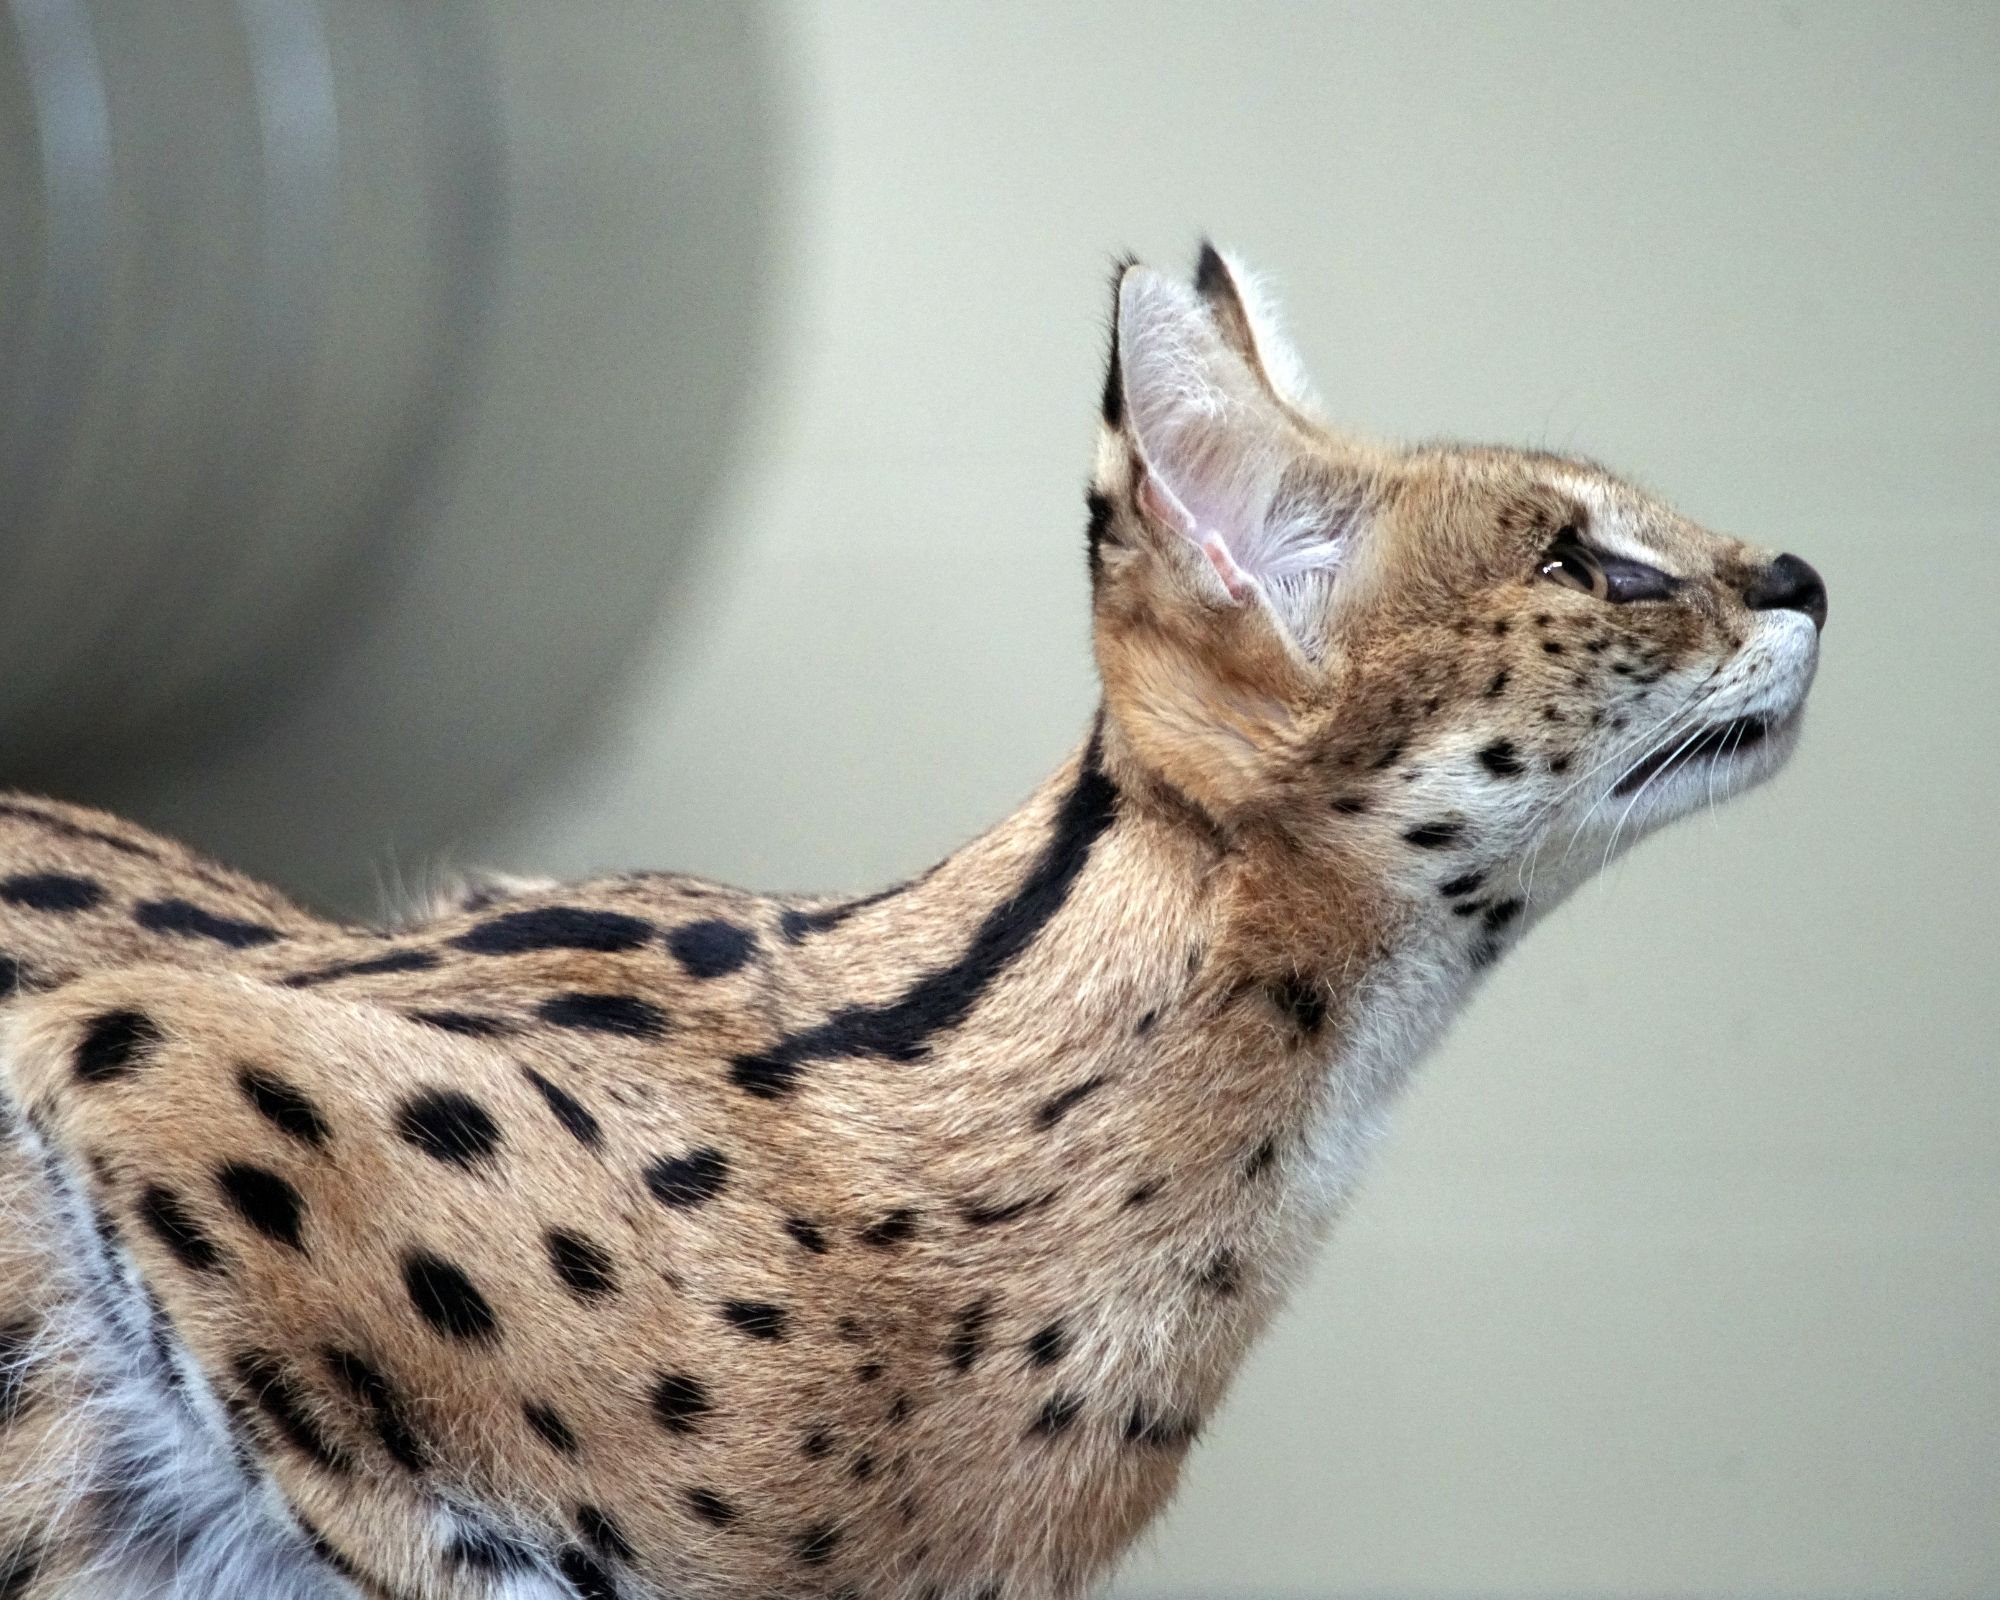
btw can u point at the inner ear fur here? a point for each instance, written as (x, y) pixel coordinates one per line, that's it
(1219, 524)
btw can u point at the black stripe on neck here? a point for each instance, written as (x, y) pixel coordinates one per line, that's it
(902, 1029)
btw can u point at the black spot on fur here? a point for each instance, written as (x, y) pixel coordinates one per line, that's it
(818, 1543)
(448, 1300)
(393, 961)
(1048, 1345)
(689, 1180)
(711, 1507)
(870, 1371)
(1390, 754)
(624, 1014)
(548, 1423)
(571, 1112)
(478, 1549)
(286, 1108)
(1351, 805)
(1148, 1020)
(471, 1024)
(806, 1234)
(711, 949)
(264, 1200)
(891, 1230)
(1223, 1273)
(680, 1402)
(1498, 686)
(1433, 835)
(1501, 759)
(584, 1573)
(1464, 883)
(757, 1318)
(1259, 1161)
(1159, 1429)
(968, 1335)
(816, 1444)
(280, 1399)
(767, 1076)
(1057, 1415)
(1499, 914)
(978, 1216)
(190, 921)
(113, 1043)
(14, 976)
(386, 1412)
(160, 1211)
(602, 1532)
(902, 1029)
(1143, 1192)
(59, 892)
(448, 1125)
(1301, 998)
(583, 1265)
(1552, 647)
(1057, 1106)
(555, 928)
(1558, 765)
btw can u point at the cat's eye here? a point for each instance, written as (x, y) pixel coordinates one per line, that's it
(1568, 563)
(1573, 564)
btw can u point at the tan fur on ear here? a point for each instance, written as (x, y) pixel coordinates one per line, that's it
(1205, 686)
(1205, 697)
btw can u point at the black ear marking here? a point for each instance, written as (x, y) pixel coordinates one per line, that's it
(1097, 532)
(1211, 272)
(1113, 406)
(1217, 286)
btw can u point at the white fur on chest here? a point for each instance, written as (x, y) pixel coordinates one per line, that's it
(1397, 1013)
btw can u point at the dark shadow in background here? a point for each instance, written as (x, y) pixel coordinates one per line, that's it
(366, 372)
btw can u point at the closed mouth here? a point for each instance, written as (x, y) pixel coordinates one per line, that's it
(1720, 742)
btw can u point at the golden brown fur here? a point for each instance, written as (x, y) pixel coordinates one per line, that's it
(906, 1244)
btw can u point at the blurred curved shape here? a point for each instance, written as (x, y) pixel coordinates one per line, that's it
(368, 372)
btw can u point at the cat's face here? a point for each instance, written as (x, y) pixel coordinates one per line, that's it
(1462, 661)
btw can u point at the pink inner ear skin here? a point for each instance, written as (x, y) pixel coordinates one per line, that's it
(1238, 582)
(1162, 504)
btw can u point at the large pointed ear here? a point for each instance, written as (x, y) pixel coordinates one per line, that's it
(1219, 525)
(1199, 447)
(1247, 319)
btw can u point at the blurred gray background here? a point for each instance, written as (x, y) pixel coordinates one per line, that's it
(563, 438)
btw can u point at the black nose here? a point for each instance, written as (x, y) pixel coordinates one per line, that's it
(1789, 584)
